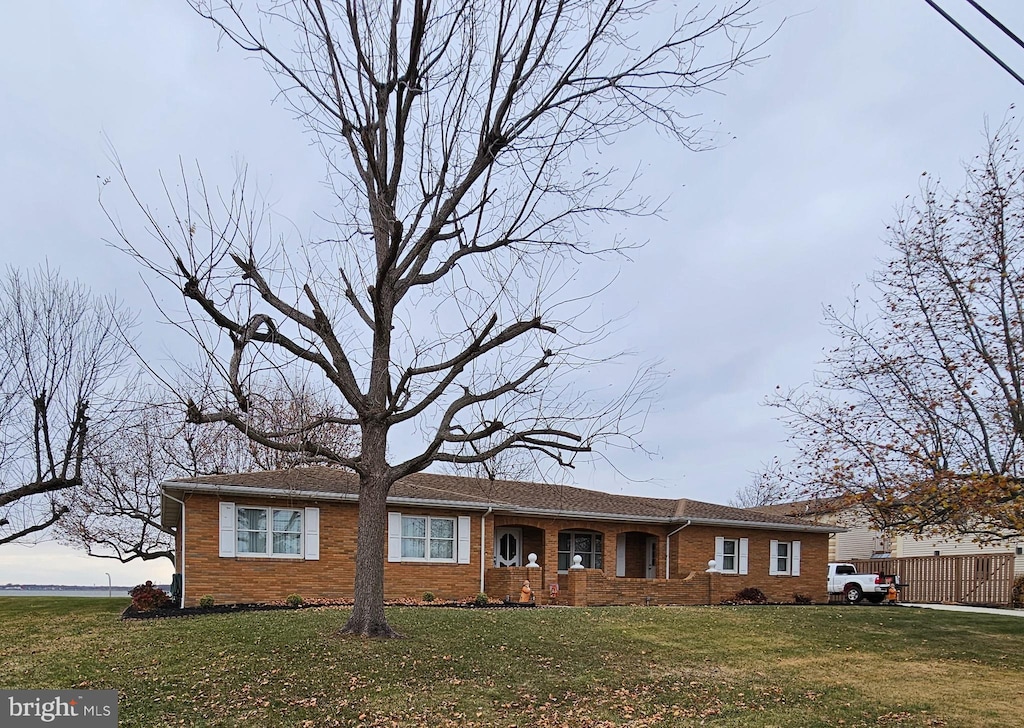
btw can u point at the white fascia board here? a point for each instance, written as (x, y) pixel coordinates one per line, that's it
(312, 495)
(668, 520)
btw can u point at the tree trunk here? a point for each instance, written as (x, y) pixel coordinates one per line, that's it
(367, 619)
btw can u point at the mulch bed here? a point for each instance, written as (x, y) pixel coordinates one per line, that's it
(132, 613)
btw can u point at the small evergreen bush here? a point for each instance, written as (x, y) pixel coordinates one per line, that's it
(481, 599)
(206, 601)
(293, 600)
(428, 596)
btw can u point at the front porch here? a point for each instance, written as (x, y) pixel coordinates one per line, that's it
(622, 563)
(623, 549)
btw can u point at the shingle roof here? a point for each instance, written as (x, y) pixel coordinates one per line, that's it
(502, 495)
(805, 508)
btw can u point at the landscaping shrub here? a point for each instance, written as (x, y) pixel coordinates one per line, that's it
(802, 599)
(146, 597)
(206, 601)
(481, 599)
(750, 595)
(293, 600)
(1018, 591)
(428, 596)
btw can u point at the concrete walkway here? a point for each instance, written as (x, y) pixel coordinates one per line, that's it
(962, 608)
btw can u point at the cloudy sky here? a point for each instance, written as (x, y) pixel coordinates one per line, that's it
(817, 145)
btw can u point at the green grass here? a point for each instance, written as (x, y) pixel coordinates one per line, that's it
(755, 667)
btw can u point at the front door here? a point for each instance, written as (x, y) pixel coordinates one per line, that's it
(652, 557)
(508, 546)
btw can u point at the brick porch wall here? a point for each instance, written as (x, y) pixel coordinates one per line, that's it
(591, 587)
(508, 582)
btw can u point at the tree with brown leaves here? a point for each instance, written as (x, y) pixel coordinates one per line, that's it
(919, 413)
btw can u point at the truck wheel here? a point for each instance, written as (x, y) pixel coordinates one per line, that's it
(852, 594)
(875, 598)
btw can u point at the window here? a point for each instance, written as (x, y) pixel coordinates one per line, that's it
(585, 544)
(428, 537)
(731, 555)
(784, 558)
(283, 533)
(730, 551)
(268, 532)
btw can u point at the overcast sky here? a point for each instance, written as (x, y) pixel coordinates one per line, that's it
(818, 143)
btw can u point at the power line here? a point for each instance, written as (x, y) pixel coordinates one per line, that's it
(977, 42)
(996, 22)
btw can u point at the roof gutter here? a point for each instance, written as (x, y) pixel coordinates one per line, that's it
(668, 545)
(483, 530)
(181, 566)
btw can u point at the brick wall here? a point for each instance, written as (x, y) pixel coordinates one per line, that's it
(508, 582)
(247, 579)
(696, 545)
(253, 579)
(591, 587)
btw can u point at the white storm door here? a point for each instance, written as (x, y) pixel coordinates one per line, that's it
(508, 546)
(652, 557)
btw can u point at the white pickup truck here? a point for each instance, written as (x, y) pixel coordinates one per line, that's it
(844, 579)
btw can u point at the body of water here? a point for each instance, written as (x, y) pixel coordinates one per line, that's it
(97, 592)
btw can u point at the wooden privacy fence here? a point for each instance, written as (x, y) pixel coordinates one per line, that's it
(971, 579)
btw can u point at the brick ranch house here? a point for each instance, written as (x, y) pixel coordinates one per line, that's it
(260, 536)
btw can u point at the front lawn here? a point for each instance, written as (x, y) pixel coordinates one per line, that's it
(755, 667)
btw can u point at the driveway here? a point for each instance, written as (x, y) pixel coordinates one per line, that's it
(962, 608)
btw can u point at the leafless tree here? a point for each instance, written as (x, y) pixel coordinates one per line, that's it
(116, 512)
(766, 488)
(442, 310)
(919, 413)
(60, 376)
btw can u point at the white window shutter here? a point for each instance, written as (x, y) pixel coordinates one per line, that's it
(464, 529)
(719, 552)
(795, 570)
(227, 530)
(773, 559)
(744, 545)
(311, 526)
(620, 556)
(394, 536)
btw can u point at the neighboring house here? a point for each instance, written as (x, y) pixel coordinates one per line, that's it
(861, 540)
(261, 536)
(936, 570)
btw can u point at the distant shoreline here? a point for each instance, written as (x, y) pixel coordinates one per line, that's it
(76, 591)
(61, 587)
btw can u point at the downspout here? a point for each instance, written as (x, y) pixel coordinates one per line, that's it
(483, 531)
(668, 545)
(181, 566)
